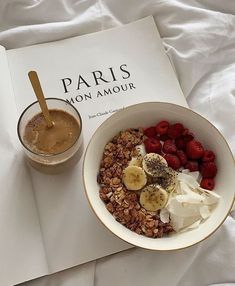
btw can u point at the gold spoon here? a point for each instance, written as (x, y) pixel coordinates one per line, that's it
(41, 99)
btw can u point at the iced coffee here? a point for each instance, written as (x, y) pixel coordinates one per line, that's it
(51, 149)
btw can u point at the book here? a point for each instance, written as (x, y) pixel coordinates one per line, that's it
(46, 223)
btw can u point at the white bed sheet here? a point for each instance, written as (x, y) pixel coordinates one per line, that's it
(199, 37)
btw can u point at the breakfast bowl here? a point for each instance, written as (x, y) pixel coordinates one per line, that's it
(145, 115)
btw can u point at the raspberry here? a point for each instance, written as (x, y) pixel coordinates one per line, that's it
(180, 143)
(182, 156)
(172, 161)
(208, 156)
(208, 170)
(175, 130)
(153, 145)
(169, 147)
(194, 149)
(150, 132)
(164, 137)
(162, 127)
(192, 166)
(207, 183)
(187, 135)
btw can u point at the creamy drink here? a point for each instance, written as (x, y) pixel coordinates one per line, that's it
(59, 138)
(52, 150)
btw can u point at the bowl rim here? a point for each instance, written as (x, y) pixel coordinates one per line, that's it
(124, 110)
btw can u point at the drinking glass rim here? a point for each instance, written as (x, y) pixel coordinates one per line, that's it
(43, 154)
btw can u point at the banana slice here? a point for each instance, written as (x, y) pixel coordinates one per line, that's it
(168, 180)
(153, 198)
(136, 161)
(154, 164)
(134, 178)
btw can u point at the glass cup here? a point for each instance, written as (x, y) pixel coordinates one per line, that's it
(51, 163)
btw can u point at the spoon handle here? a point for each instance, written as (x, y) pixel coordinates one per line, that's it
(41, 99)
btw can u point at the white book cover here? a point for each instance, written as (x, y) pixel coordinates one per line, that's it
(45, 220)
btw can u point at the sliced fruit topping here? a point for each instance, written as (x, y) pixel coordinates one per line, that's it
(194, 150)
(180, 143)
(136, 161)
(150, 131)
(153, 198)
(182, 156)
(164, 137)
(169, 147)
(162, 127)
(154, 164)
(187, 135)
(208, 156)
(192, 166)
(208, 170)
(153, 145)
(168, 180)
(175, 130)
(134, 178)
(173, 161)
(207, 183)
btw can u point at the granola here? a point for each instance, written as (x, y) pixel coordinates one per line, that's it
(121, 203)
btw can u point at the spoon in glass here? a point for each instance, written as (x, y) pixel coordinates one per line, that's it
(33, 77)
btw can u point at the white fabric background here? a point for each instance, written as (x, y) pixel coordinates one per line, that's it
(199, 36)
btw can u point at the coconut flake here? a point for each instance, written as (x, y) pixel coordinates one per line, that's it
(205, 212)
(192, 193)
(210, 196)
(189, 180)
(190, 199)
(189, 196)
(141, 150)
(179, 223)
(182, 209)
(164, 215)
(195, 175)
(192, 226)
(178, 190)
(189, 204)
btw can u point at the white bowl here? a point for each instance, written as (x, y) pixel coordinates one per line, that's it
(147, 114)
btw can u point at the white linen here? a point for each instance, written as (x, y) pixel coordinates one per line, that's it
(199, 37)
(211, 261)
